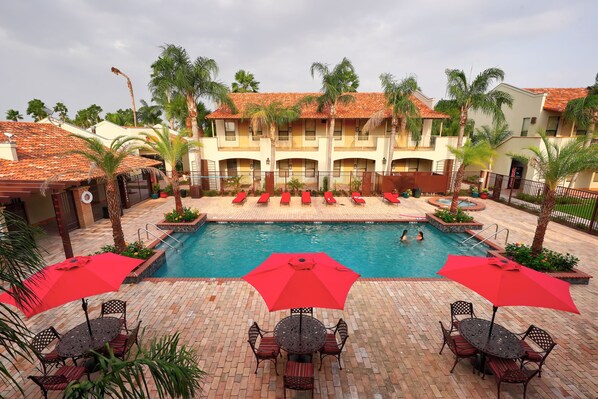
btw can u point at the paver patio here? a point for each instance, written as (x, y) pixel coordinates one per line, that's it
(392, 351)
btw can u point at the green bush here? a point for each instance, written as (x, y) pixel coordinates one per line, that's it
(168, 189)
(188, 215)
(134, 250)
(211, 193)
(547, 260)
(447, 217)
(538, 199)
(295, 185)
(325, 183)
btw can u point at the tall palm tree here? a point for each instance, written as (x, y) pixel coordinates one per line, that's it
(61, 110)
(149, 115)
(36, 109)
(109, 160)
(172, 148)
(475, 95)
(245, 82)
(553, 165)
(494, 135)
(336, 84)
(13, 115)
(20, 257)
(467, 155)
(162, 84)
(398, 98)
(269, 116)
(118, 72)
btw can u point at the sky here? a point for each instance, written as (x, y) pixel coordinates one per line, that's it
(62, 50)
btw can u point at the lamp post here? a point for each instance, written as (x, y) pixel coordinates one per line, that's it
(117, 71)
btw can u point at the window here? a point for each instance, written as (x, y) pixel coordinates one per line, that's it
(338, 130)
(388, 125)
(581, 131)
(283, 168)
(337, 169)
(310, 129)
(552, 126)
(230, 131)
(283, 132)
(310, 168)
(525, 126)
(361, 135)
(231, 166)
(255, 134)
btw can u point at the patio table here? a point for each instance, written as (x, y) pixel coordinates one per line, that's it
(77, 341)
(309, 340)
(503, 343)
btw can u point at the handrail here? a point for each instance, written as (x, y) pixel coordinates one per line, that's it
(155, 236)
(162, 231)
(494, 235)
(480, 232)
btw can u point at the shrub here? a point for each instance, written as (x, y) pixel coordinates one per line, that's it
(134, 250)
(156, 187)
(211, 193)
(547, 260)
(447, 217)
(325, 183)
(356, 185)
(295, 185)
(168, 189)
(188, 215)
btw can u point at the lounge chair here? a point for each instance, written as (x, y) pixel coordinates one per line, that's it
(391, 198)
(264, 198)
(285, 199)
(357, 198)
(329, 198)
(240, 198)
(306, 198)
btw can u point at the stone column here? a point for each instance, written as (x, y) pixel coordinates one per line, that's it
(84, 211)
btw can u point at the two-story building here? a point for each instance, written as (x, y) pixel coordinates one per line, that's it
(301, 146)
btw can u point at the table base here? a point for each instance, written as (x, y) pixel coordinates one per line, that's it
(479, 363)
(300, 358)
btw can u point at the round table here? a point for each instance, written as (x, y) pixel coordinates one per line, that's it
(77, 341)
(503, 343)
(300, 334)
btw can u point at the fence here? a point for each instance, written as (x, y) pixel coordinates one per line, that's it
(575, 208)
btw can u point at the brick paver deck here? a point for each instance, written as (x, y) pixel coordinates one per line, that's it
(392, 351)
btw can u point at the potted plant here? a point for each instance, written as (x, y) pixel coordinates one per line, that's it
(474, 191)
(417, 192)
(407, 193)
(484, 193)
(155, 191)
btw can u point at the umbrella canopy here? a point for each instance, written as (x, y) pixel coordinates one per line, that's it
(287, 280)
(75, 278)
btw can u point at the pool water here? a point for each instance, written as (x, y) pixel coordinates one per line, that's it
(461, 203)
(371, 249)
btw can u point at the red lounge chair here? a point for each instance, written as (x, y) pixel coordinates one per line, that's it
(240, 198)
(329, 198)
(357, 199)
(306, 198)
(392, 198)
(264, 198)
(285, 199)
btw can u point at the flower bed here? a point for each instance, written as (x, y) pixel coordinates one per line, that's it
(184, 227)
(459, 224)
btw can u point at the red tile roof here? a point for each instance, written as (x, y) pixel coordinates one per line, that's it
(557, 98)
(364, 106)
(42, 153)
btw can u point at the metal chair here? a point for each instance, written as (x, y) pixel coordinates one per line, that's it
(460, 308)
(332, 347)
(458, 345)
(122, 344)
(541, 340)
(41, 342)
(308, 311)
(266, 349)
(507, 370)
(118, 307)
(59, 380)
(299, 377)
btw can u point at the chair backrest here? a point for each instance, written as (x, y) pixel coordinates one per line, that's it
(540, 338)
(43, 339)
(448, 338)
(132, 338)
(114, 306)
(343, 332)
(309, 311)
(253, 333)
(461, 308)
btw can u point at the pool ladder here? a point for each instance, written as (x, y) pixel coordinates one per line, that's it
(149, 233)
(496, 232)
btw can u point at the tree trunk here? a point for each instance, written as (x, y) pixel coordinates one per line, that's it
(114, 213)
(543, 219)
(192, 108)
(176, 191)
(462, 123)
(133, 101)
(272, 148)
(391, 145)
(329, 141)
(457, 188)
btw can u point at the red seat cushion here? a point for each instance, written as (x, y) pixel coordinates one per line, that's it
(71, 373)
(330, 345)
(301, 370)
(268, 348)
(501, 366)
(464, 348)
(530, 353)
(52, 356)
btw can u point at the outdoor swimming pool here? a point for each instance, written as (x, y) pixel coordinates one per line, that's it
(371, 249)
(464, 204)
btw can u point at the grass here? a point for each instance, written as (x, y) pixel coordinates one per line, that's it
(583, 209)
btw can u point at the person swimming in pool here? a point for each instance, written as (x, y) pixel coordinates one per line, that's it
(404, 236)
(420, 236)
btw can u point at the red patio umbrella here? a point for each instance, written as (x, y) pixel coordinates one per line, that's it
(507, 283)
(287, 280)
(75, 278)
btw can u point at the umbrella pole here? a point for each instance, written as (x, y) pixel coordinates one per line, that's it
(300, 323)
(494, 309)
(84, 306)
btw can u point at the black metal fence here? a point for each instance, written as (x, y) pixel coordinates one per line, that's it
(575, 208)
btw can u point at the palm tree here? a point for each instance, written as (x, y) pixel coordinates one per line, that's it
(117, 72)
(469, 154)
(494, 135)
(335, 85)
(13, 115)
(149, 115)
(553, 165)
(89, 116)
(398, 98)
(61, 110)
(20, 257)
(245, 83)
(269, 116)
(109, 160)
(173, 367)
(172, 148)
(36, 109)
(162, 85)
(475, 96)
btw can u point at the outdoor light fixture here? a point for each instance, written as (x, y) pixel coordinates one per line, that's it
(250, 129)
(267, 161)
(384, 161)
(251, 165)
(290, 165)
(355, 166)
